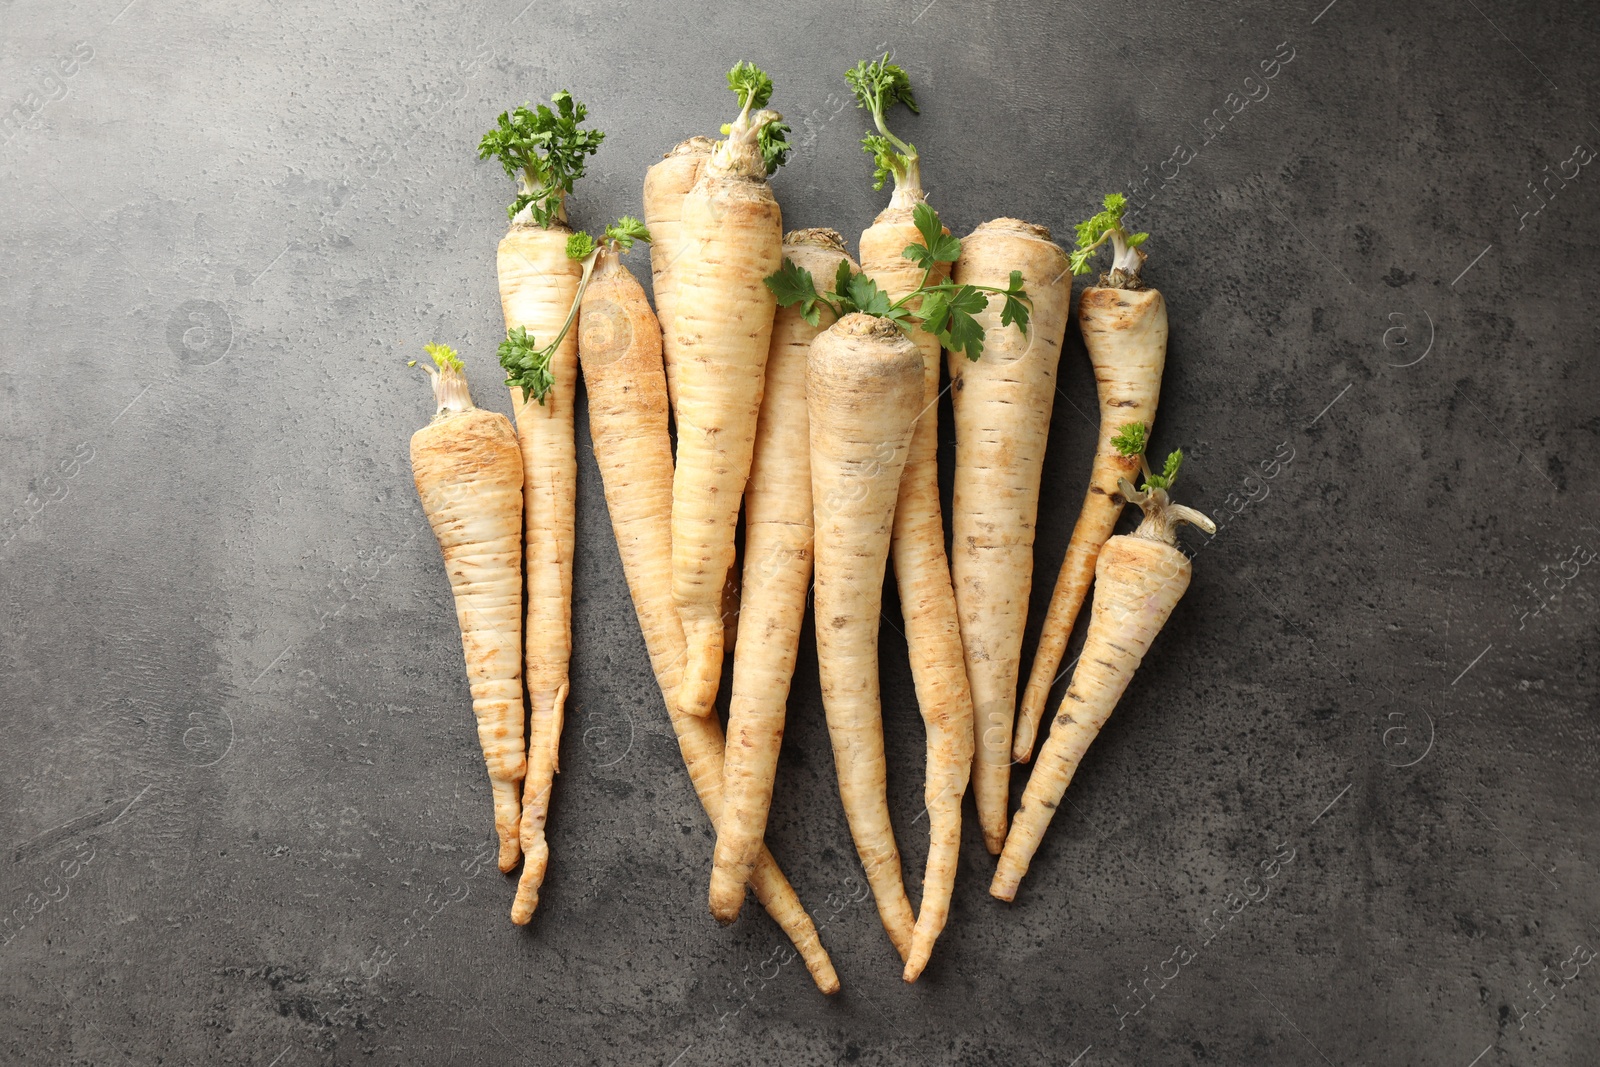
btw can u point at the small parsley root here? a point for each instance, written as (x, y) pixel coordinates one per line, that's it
(1002, 406)
(777, 580)
(619, 347)
(921, 568)
(468, 473)
(1124, 328)
(665, 186)
(1139, 579)
(543, 268)
(717, 335)
(863, 395)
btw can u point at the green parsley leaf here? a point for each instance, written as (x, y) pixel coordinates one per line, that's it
(1131, 439)
(886, 162)
(544, 150)
(867, 297)
(625, 231)
(527, 365)
(880, 85)
(920, 254)
(444, 357)
(1015, 308)
(792, 284)
(935, 312)
(580, 245)
(1169, 472)
(773, 141)
(751, 84)
(964, 333)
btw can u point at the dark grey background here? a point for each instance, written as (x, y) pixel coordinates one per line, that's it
(241, 800)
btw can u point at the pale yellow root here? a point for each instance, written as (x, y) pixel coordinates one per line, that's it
(620, 346)
(1138, 581)
(927, 600)
(665, 185)
(469, 475)
(1125, 332)
(718, 335)
(863, 391)
(1002, 408)
(538, 285)
(777, 578)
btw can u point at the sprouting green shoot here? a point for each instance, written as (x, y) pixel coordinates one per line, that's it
(1107, 225)
(751, 84)
(444, 357)
(948, 311)
(878, 86)
(543, 149)
(1132, 440)
(753, 87)
(526, 362)
(625, 231)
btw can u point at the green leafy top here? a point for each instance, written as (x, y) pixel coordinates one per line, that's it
(449, 377)
(947, 310)
(544, 150)
(751, 84)
(444, 357)
(878, 86)
(753, 87)
(1161, 514)
(1096, 230)
(526, 362)
(1132, 440)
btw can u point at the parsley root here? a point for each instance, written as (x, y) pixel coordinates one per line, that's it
(922, 571)
(717, 336)
(1002, 406)
(540, 285)
(468, 473)
(1124, 329)
(1139, 579)
(863, 394)
(777, 579)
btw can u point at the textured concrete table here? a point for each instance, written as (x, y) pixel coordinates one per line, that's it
(242, 805)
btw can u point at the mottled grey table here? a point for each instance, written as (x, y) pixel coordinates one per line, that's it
(242, 806)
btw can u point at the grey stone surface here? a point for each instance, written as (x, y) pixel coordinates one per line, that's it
(241, 801)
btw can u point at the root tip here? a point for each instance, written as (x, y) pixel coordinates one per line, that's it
(1003, 889)
(727, 898)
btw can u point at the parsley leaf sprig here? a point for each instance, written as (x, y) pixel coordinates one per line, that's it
(878, 86)
(948, 311)
(1132, 440)
(753, 87)
(1161, 514)
(543, 148)
(1107, 225)
(526, 362)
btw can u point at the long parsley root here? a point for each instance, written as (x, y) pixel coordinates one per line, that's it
(946, 310)
(620, 350)
(665, 185)
(922, 571)
(469, 475)
(540, 284)
(717, 337)
(1124, 328)
(1002, 406)
(1139, 579)
(863, 391)
(777, 578)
